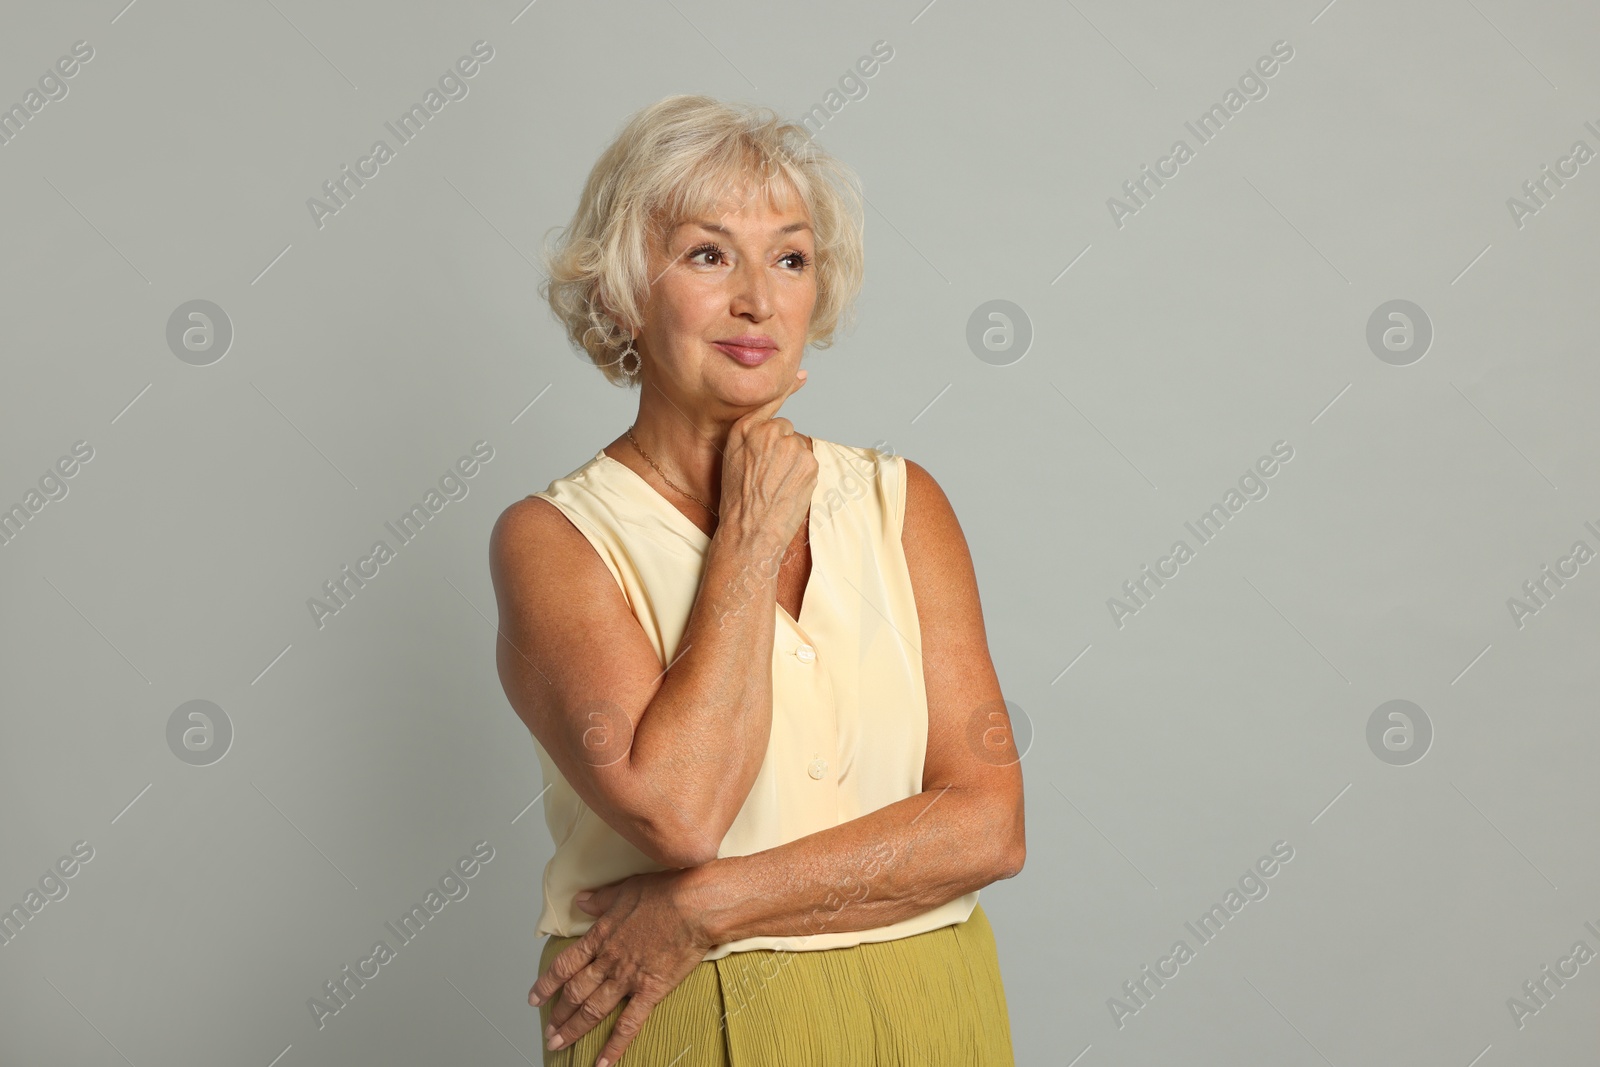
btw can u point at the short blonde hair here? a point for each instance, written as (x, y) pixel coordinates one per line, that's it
(677, 159)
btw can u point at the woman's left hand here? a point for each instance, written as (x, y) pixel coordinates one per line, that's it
(645, 941)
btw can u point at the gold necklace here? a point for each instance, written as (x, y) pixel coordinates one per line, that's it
(664, 477)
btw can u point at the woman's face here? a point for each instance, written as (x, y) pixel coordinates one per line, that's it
(745, 274)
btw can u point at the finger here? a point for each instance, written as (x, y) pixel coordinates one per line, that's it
(629, 1023)
(599, 899)
(568, 962)
(610, 886)
(767, 437)
(577, 990)
(770, 408)
(594, 901)
(591, 1013)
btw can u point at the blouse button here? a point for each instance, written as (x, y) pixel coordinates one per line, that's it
(806, 654)
(818, 768)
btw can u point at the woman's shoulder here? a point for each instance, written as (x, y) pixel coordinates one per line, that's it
(560, 531)
(851, 474)
(557, 508)
(583, 477)
(590, 490)
(865, 459)
(903, 486)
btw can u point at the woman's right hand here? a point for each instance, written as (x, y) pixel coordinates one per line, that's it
(768, 473)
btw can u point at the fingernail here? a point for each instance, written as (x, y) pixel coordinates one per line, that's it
(602, 1062)
(556, 1042)
(585, 895)
(548, 1030)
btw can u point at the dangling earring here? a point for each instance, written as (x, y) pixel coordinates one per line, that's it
(638, 361)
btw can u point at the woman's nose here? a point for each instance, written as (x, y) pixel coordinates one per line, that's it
(751, 290)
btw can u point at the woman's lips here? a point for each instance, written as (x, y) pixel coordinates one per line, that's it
(750, 357)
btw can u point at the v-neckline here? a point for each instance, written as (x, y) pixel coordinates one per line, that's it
(703, 539)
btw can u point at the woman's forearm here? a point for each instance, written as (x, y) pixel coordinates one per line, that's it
(702, 738)
(902, 860)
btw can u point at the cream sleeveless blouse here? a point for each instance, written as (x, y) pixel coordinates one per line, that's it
(849, 715)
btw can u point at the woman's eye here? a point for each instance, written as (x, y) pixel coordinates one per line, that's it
(798, 261)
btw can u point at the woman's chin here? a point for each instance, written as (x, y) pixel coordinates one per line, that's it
(741, 386)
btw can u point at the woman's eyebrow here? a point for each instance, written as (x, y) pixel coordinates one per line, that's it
(715, 228)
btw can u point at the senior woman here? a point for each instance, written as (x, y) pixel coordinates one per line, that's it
(778, 765)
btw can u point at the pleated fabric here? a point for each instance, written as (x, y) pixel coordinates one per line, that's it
(933, 998)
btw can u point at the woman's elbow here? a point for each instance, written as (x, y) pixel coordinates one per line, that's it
(680, 845)
(1015, 857)
(658, 827)
(1013, 845)
(682, 853)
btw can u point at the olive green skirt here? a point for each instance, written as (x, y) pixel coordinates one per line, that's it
(932, 998)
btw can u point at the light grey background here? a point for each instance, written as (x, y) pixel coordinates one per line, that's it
(1169, 753)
